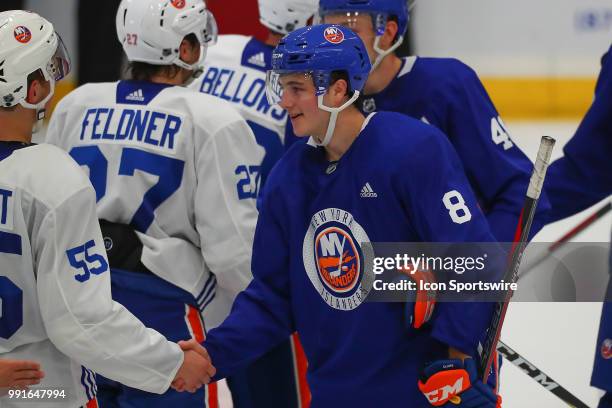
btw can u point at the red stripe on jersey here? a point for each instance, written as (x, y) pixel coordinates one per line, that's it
(195, 323)
(212, 400)
(196, 328)
(92, 403)
(301, 365)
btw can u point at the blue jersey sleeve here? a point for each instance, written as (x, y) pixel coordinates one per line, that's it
(497, 169)
(583, 176)
(261, 315)
(444, 209)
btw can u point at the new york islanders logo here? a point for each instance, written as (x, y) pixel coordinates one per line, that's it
(606, 349)
(337, 259)
(333, 35)
(179, 4)
(333, 258)
(22, 34)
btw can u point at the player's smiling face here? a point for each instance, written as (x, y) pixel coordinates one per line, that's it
(300, 101)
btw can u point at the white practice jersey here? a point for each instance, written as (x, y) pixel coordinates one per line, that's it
(182, 168)
(55, 291)
(235, 70)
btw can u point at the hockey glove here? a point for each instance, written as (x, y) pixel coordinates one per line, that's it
(453, 383)
(420, 303)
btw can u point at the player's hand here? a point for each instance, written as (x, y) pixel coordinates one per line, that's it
(455, 383)
(19, 374)
(193, 345)
(195, 372)
(421, 302)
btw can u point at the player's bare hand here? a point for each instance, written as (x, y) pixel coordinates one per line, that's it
(19, 374)
(195, 346)
(195, 372)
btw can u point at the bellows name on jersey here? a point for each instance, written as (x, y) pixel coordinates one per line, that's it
(139, 126)
(246, 89)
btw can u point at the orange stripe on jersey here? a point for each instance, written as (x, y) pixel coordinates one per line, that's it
(196, 328)
(92, 403)
(212, 399)
(194, 321)
(301, 365)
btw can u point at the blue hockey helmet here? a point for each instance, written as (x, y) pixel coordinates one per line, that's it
(380, 12)
(318, 51)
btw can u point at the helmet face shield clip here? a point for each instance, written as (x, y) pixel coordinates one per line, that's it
(275, 79)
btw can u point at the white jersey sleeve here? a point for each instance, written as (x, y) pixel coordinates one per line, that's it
(226, 220)
(57, 221)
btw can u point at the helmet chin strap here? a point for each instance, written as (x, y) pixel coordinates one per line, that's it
(331, 126)
(40, 107)
(383, 53)
(196, 68)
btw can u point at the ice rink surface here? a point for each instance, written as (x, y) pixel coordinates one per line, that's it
(559, 338)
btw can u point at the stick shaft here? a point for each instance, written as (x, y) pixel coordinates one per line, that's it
(518, 248)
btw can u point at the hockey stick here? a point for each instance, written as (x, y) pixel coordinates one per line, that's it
(539, 376)
(518, 247)
(597, 215)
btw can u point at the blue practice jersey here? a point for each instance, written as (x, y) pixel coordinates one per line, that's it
(602, 370)
(235, 70)
(583, 176)
(308, 264)
(448, 94)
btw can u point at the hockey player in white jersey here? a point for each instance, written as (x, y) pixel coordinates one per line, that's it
(235, 70)
(176, 175)
(55, 292)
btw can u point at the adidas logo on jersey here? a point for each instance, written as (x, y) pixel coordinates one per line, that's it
(258, 59)
(367, 192)
(135, 96)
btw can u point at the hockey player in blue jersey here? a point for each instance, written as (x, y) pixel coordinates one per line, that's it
(447, 94)
(581, 178)
(357, 179)
(235, 70)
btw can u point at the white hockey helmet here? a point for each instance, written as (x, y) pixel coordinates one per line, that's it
(29, 43)
(284, 16)
(151, 31)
